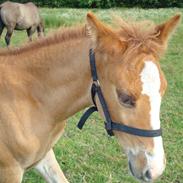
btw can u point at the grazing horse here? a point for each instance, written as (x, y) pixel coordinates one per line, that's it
(20, 17)
(45, 82)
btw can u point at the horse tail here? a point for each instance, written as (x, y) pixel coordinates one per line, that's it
(1, 5)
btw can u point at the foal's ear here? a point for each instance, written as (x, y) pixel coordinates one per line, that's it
(103, 37)
(167, 28)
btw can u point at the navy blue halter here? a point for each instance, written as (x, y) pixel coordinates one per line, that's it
(109, 124)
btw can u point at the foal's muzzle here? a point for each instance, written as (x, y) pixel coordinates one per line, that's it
(145, 167)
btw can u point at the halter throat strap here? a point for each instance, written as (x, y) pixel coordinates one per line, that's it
(109, 124)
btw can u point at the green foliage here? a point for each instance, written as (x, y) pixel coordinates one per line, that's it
(154, 3)
(97, 3)
(105, 3)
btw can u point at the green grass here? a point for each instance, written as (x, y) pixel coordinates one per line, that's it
(91, 156)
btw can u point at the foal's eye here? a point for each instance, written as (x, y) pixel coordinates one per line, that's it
(126, 100)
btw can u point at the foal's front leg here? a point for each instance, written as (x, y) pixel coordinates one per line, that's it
(50, 169)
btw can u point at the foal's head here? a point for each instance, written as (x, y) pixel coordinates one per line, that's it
(133, 85)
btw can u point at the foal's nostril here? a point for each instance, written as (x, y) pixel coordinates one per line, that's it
(148, 175)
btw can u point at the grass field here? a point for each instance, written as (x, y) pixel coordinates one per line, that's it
(91, 156)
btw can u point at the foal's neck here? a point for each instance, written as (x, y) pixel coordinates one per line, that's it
(69, 80)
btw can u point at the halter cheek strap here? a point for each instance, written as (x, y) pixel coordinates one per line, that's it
(109, 124)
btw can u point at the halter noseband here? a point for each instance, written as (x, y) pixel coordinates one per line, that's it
(109, 124)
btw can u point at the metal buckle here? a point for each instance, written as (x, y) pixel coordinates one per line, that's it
(97, 83)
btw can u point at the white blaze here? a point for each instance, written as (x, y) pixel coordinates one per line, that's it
(150, 78)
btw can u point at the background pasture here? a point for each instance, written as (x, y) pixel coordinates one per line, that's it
(91, 156)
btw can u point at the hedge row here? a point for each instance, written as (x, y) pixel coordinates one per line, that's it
(106, 3)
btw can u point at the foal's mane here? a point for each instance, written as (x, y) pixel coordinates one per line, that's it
(59, 36)
(136, 34)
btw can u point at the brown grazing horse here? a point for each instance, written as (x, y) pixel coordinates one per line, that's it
(20, 17)
(47, 81)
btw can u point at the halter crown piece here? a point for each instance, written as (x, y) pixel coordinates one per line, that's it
(109, 124)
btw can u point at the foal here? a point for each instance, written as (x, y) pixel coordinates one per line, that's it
(47, 81)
